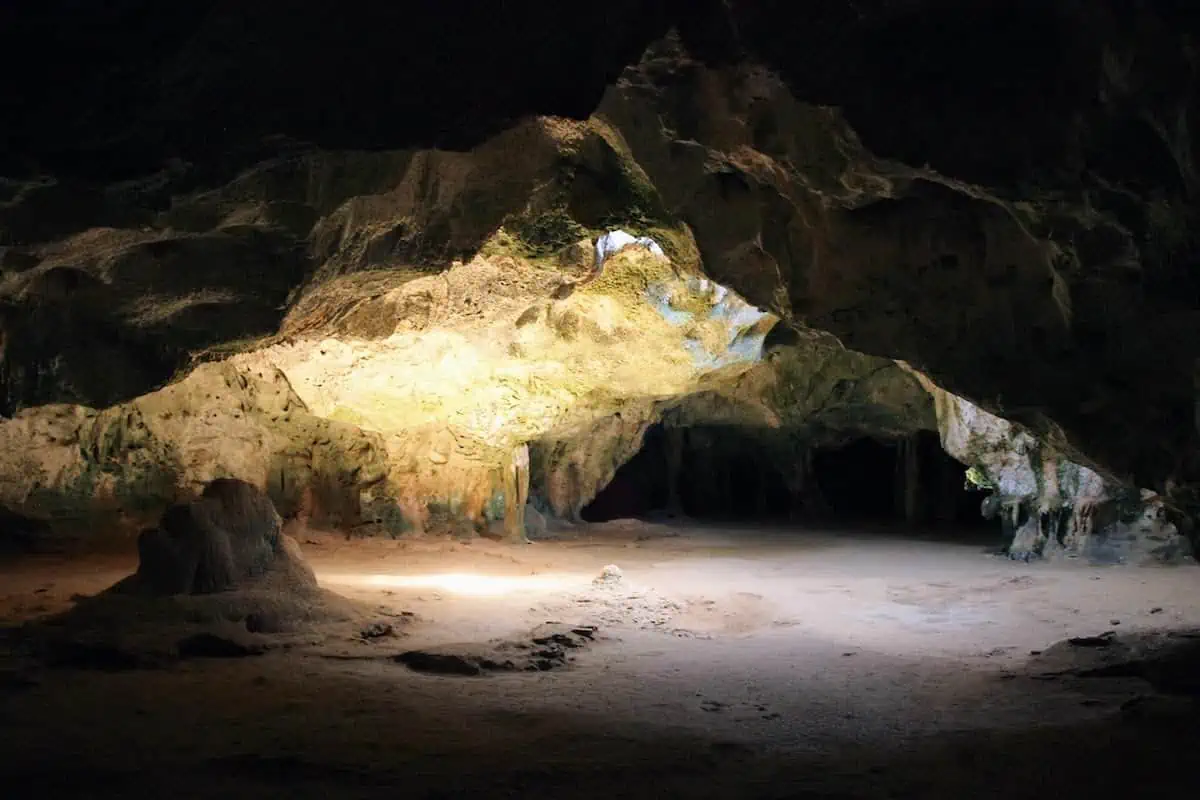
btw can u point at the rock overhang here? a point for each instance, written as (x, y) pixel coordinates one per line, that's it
(792, 209)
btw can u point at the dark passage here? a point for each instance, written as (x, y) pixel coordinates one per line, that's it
(724, 473)
(868, 479)
(729, 473)
(638, 488)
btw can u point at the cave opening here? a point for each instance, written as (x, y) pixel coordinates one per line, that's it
(722, 473)
(856, 480)
(911, 480)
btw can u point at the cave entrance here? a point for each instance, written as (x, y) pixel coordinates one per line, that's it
(721, 473)
(857, 480)
(640, 486)
(741, 474)
(910, 480)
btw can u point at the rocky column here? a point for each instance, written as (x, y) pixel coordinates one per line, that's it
(674, 456)
(516, 493)
(908, 479)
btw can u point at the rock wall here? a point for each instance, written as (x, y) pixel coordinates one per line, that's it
(1033, 256)
(1050, 506)
(91, 473)
(1038, 293)
(567, 472)
(402, 402)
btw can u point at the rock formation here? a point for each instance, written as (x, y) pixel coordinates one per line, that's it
(375, 308)
(225, 540)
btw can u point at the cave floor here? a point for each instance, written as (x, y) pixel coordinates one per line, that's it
(727, 663)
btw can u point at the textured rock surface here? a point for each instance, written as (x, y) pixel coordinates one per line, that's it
(226, 539)
(791, 207)
(1017, 229)
(91, 472)
(1049, 505)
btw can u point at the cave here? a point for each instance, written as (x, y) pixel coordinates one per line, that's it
(865, 480)
(857, 479)
(734, 474)
(660, 399)
(739, 484)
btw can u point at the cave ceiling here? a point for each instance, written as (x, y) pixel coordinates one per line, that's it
(999, 194)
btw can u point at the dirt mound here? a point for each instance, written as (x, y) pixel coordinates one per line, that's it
(217, 578)
(547, 647)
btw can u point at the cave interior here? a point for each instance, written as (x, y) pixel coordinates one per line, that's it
(725, 474)
(649, 399)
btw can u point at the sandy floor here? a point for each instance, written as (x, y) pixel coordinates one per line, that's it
(728, 663)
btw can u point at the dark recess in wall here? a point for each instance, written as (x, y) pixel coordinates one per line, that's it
(729, 474)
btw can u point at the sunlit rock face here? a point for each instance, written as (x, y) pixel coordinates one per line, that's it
(91, 473)
(511, 354)
(400, 419)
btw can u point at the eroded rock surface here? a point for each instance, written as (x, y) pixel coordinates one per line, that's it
(1049, 505)
(229, 537)
(1041, 273)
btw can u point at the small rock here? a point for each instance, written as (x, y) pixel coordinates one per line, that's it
(1156, 610)
(1103, 640)
(376, 630)
(440, 663)
(608, 576)
(1114, 622)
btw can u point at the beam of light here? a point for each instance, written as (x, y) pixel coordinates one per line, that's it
(465, 583)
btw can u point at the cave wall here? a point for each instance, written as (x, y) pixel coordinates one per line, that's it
(973, 275)
(91, 473)
(1016, 231)
(1052, 507)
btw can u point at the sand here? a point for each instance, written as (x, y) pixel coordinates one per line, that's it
(725, 662)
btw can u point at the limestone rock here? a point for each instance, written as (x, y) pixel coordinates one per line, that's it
(1019, 255)
(88, 472)
(1049, 505)
(228, 538)
(609, 576)
(535, 523)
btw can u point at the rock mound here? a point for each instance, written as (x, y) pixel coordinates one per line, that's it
(216, 578)
(1169, 661)
(227, 538)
